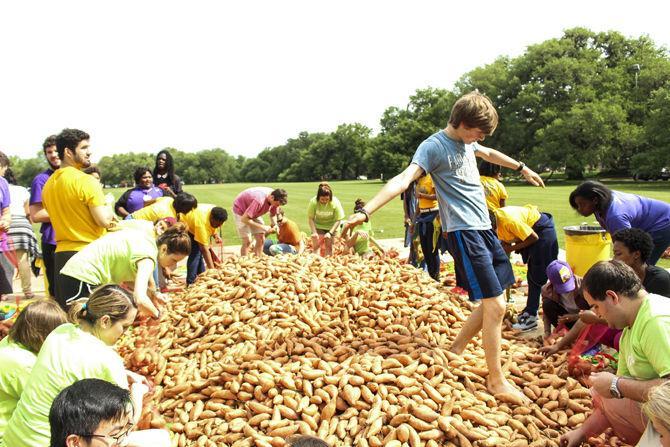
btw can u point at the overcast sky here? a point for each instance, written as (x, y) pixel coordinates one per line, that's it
(242, 76)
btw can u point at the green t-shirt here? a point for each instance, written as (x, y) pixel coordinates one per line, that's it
(67, 356)
(16, 362)
(326, 215)
(362, 245)
(113, 258)
(644, 346)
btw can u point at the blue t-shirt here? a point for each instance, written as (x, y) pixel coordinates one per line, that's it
(453, 167)
(633, 211)
(47, 230)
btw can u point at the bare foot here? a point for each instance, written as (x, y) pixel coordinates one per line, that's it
(458, 350)
(507, 392)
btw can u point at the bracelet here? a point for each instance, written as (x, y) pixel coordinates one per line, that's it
(367, 215)
(521, 166)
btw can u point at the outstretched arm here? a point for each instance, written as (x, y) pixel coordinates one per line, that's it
(392, 189)
(497, 157)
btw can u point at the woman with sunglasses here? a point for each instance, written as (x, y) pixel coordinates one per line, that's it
(73, 352)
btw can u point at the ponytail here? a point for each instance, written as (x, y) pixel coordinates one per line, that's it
(324, 191)
(176, 239)
(109, 299)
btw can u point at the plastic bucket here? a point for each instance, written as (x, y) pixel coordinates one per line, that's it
(585, 245)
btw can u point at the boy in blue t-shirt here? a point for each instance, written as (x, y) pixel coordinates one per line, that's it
(480, 261)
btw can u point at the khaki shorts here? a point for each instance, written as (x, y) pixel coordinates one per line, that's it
(245, 230)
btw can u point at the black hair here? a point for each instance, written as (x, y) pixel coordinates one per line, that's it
(80, 408)
(280, 195)
(184, 202)
(4, 159)
(611, 275)
(10, 177)
(169, 167)
(489, 169)
(592, 190)
(139, 172)
(359, 204)
(69, 138)
(635, 240)
(48, 142)
(219, 214)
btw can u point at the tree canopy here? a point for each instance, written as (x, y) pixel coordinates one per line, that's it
(580, 102)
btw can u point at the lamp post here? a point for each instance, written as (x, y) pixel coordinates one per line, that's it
(636, 69)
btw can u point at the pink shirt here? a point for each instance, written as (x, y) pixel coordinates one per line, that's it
(253, 202)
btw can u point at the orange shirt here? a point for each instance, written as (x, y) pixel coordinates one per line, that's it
(289, 233)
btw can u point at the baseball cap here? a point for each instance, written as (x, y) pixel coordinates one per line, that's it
(561, 276)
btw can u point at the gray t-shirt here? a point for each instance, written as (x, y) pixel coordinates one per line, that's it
(453, 167)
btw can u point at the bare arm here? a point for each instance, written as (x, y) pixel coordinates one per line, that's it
(38, 213)
(102, 215)
(497, 157)
(145, 268)
(312, 225)
(530, 240)
(392, 189)
(5, 219)
(251, 222)
(206, 255)
(638, 390)
(301, 247)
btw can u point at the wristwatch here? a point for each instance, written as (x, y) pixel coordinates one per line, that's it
(614, 388)
(521, 166)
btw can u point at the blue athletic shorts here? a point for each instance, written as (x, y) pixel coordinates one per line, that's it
(482, 266)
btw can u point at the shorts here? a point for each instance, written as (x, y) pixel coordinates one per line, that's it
(71, 289)
(482, 266)
(245, 230)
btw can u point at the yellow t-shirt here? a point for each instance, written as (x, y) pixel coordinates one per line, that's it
(68, 196)
(425, 185)
(494, 192)
(198, 223)
(516, 222)
(158, 210)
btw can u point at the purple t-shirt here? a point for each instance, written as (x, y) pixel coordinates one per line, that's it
(136, 197)
(253, 202)
(4, 203)
(48, 233)
(633, 211)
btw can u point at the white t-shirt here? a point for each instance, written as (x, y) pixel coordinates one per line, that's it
(18, 196)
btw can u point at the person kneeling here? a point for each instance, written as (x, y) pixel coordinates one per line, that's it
(94, 409)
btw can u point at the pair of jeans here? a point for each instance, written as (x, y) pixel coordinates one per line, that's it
(538, 256)
(195, 264)
(661, 240)
(425, 225)
(49, 259)
(271, 248)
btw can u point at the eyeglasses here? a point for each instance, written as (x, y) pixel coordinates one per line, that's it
(120, 440)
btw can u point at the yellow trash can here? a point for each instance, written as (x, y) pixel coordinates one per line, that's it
(585, 245)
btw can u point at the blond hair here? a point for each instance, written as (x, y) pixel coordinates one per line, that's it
(658, 404)
(474, 110)
(35, 322)
(110, 300)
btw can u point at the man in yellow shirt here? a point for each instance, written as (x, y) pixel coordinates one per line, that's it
(527, 231)
(202, 224)
(164, 207)
(74, 200)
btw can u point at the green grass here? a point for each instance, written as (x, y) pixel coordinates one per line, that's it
(388, 222)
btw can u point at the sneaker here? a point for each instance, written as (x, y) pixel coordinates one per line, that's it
(526, 323)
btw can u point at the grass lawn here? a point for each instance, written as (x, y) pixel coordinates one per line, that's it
(387, 222)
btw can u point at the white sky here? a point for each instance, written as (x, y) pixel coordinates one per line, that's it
(142, 75)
